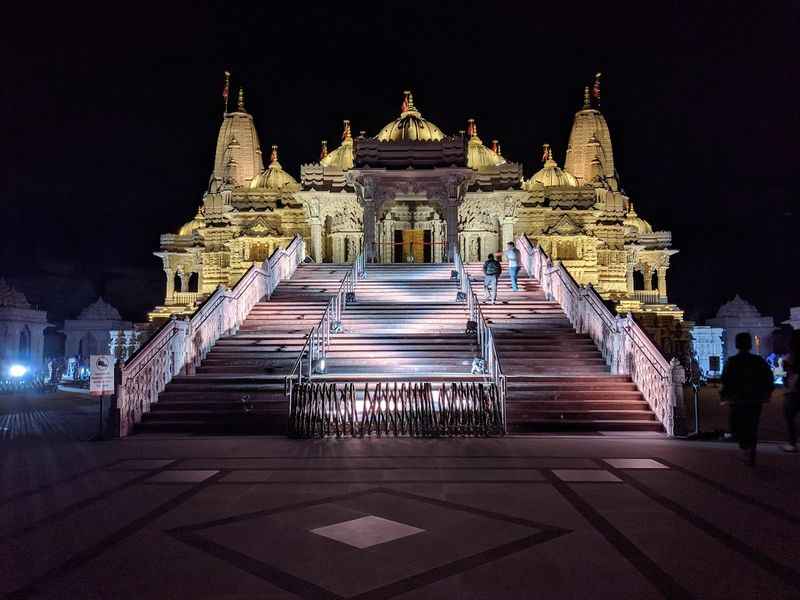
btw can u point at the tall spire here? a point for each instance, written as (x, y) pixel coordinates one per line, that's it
(240, 103)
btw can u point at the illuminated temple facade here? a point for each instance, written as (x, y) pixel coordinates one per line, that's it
(412, 193)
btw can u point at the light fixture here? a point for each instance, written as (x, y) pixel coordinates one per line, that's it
(320, 367)
(17, 371)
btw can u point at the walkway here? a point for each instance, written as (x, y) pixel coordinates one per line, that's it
(519, 517)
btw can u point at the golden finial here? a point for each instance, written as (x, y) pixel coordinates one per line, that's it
(274, 156)
(499, 150)
(587, 99)
(346, 135)
(240, 103)
(227, 88)
(324, 152)
(495, 146)
(472, 128)
(545, 152)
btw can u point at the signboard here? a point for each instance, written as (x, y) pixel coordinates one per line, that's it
(101, 381)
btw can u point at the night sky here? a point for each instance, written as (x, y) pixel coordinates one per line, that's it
(111, 116)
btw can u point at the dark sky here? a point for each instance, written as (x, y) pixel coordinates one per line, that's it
(111, 113)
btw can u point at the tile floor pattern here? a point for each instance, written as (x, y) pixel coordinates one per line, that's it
(365, 532)
(550, 517)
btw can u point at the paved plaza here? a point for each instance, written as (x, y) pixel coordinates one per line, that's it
(601, 516)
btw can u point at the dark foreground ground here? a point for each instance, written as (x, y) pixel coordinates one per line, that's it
(635, 516)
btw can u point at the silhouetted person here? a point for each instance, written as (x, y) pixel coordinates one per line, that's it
(747, 383)
(491, 273)
(791, 398)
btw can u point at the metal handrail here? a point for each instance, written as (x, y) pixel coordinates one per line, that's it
(318, 339)
(485, 334)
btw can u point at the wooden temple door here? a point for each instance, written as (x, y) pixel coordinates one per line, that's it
(414, 245)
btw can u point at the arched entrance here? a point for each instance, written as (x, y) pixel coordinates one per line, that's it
(411, 230)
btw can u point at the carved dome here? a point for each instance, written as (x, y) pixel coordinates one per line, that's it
(479, 156)
(11, 297)
(551, 175)
(636, 224)
(274, 178)
(410, 126)
(198, 222)
(738, 307)
(100, 310)
(344, 156)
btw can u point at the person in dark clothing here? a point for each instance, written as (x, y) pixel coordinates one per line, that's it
(791, 397)
(747, 383)
(491, 272)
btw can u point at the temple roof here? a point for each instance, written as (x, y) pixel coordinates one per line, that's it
(274, 178)
(551, 175)
(11, 297)
(196, 223)
(410, 126)
(738, 307)
(100, 310)
(590, 139)
(479, 156)
(238, 156)
(344, 156)
(633, 221)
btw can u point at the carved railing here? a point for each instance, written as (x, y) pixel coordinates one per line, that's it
(625, 347)
(484, 332)
(414, 409)
(318, 339)
(181, 344)
(187, 298)
(649, 296)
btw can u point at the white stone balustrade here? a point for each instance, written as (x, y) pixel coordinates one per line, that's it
(626, 349)
(181, 344)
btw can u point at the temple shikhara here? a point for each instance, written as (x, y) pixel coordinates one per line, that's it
(413, 193)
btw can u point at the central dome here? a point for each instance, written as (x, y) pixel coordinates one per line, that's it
(410, 126)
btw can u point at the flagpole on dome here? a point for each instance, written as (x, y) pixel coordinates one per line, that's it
(227, 89)
(596, 88)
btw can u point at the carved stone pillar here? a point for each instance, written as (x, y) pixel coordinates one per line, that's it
(316, 239)
(647, 271)
(369, 231)
(508, 231)
(662, 282)
(629, 282)
(170, 273)
(451, 214)
(184, 281)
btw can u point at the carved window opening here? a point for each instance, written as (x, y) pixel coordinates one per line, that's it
(259, 252)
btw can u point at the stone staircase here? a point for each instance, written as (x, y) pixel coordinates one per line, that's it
(556, 378)
(405, 326)
(239, 388)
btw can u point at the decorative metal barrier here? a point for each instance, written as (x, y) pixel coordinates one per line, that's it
(181, 344)
(491, 360)
(626, 348)
(318, 339)
(414, 409)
